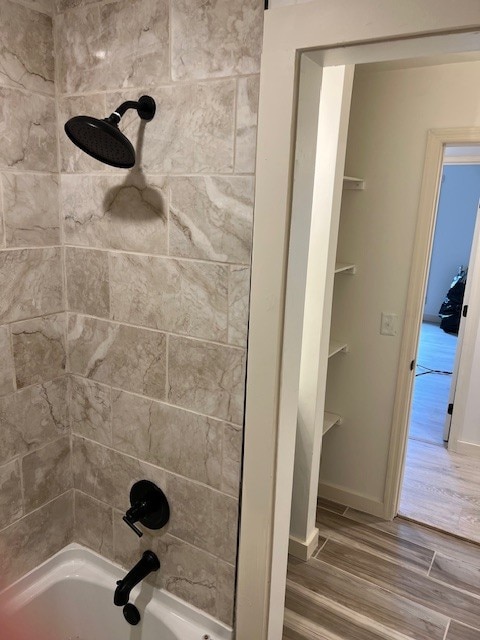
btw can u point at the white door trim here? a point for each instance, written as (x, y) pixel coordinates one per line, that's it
(427, 214)
(273, 362)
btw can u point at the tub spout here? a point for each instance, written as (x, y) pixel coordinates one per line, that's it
(148, 563)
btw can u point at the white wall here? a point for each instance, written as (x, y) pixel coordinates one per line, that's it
(457, 212)
(391, 114)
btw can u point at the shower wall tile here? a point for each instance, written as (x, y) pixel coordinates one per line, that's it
(131, 358)
(32, 417)
(108, 475)
(90, 410)
(188, 572)
(238, 305)
(46, 473)
(6, 358)
(211, 218)
(207, 378)
(38, 349)
(30, 282)
(172, 295)
(176, 440)
(211, 525)
(221, 38)
(30, 120)
(115, 212)
(232, 459)
(65, 5)
(193, 131)
(31, 209)
(95, 54)
(33, 539)
(88, 289)
(26, 56)
(44, 6)
(94, 524)
(247, 113)
(72, 159)
(11, 507)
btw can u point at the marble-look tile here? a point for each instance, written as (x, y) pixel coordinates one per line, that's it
(88, 288)
(108, 475)
(247, 113)
(32, 417)
(207, 378)
(238, 305)
(38, 349)
(11, 508)
(211, 525)
(115, 212)
(31, 209)
(177, 440)
(30, 282)
(90, 410)
(6, 358)
(232, 460)
(26, 55)
(127, 357)
(33, 539)
(218, 38)
(46, 473)
(113, 45)
(72, 159)
(64, 5)
(31, 142)
(93, 524)
(187, 572)
(192, 132)
(171, 295)
(212, 218)
(44, 6)
(225, 592)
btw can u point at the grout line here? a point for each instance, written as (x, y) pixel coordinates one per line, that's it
(162, 85)
(164, 256)
(164, 332)
(157, 400)
(45, 504)
(447, 629)
(155, 466)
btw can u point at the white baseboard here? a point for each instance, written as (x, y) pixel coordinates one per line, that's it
(431, 319)
(466, 448)
(303, 549)
(353, 500)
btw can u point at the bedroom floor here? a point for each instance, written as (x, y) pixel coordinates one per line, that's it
(376, 580)
(441, 488)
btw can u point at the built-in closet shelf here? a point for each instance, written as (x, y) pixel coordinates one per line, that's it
(335, 347)
(330, 420)
(349, 182)
(343, 267)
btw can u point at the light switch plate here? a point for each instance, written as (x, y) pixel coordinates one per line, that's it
(389, 324)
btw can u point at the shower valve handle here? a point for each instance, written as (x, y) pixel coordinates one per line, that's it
(149, 507)
(133, 527)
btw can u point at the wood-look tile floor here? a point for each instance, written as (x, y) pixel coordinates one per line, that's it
(376, 580)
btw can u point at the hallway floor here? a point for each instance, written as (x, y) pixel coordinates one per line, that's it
(376, 580)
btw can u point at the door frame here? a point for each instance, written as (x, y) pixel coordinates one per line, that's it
(427, 215)
(274, 345)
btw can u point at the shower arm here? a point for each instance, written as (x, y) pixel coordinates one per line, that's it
(145, 108)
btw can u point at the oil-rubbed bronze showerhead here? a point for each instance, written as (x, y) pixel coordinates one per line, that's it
(103, 140)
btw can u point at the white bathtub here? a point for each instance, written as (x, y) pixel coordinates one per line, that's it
(70, 597)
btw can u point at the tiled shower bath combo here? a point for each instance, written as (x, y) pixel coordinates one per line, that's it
(124, 293)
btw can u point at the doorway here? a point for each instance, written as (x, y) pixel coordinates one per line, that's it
(439, 484)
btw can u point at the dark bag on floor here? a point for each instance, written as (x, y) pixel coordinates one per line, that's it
(451, 309)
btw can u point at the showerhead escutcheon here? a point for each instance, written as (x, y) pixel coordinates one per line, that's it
(103, 140)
